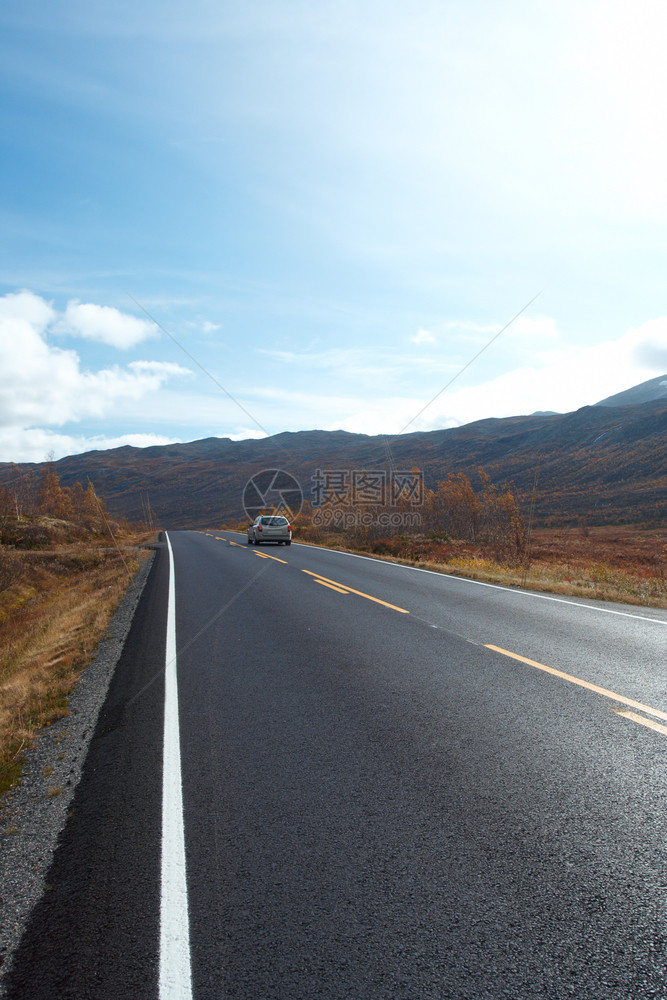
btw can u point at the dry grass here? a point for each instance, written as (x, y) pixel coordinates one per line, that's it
(624, 564)
(51, 620)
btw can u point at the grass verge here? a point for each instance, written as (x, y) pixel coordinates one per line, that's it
(52, 616)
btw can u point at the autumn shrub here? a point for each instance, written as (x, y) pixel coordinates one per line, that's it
(25, 535)
(11, 569)
(61, 575)
(492, 515)
(454, 508)
(25, 497)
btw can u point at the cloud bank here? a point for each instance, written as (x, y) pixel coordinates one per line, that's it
(51, 402)
(105, 325)
(43, 386)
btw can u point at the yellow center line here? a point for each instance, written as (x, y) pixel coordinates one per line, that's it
(339, 590)
(589, 687)
(264, 555)
(642, 721)
(350, 590)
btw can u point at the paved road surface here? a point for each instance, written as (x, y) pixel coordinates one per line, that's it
(376, 804)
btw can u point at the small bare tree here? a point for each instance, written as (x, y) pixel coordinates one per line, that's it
(6, 507)
(23, 491)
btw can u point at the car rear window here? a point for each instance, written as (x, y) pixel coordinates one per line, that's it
(274, 520)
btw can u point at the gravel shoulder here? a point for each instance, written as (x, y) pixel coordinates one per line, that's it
(33, 814)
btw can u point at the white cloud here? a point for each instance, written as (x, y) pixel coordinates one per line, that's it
(25, 309)
(43, 386)
(317, 403)
(423, 337)
(157, 369)
(105, 325)
(387, 417)
(245, 433)
(47, 395)
(546, 374)
(34, 444)
(366, 363)
(534, 331)
(556, 377)
(203, 325)
(563, 379)
(650, 345)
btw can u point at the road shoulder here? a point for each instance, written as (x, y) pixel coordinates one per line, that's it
(34, 813)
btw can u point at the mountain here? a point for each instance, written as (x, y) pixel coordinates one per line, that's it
(645, 392)
(607, 464)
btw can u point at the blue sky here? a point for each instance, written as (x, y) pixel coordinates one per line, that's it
(331, 207)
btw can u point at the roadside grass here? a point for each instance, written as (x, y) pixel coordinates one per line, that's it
(620, 564)
(52, 616)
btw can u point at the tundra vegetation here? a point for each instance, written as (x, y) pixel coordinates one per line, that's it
(65, 562)
(64, 565)
(484, 531)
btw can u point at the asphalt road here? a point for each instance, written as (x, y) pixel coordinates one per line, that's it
(396, 785)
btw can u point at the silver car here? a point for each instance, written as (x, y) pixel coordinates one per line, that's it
(270, 528)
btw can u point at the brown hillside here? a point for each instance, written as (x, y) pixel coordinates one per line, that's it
(607, 465)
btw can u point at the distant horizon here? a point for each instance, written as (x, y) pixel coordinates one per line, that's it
(338, 430)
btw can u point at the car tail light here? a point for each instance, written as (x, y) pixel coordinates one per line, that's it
(259, 527)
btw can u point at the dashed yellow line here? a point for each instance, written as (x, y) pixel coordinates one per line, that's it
(265, 555)
(642, 721)
(339, 590)
(350, 590)
(604, 692)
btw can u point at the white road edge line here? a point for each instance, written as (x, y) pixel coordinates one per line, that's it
(518, 591)
(175, 970)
